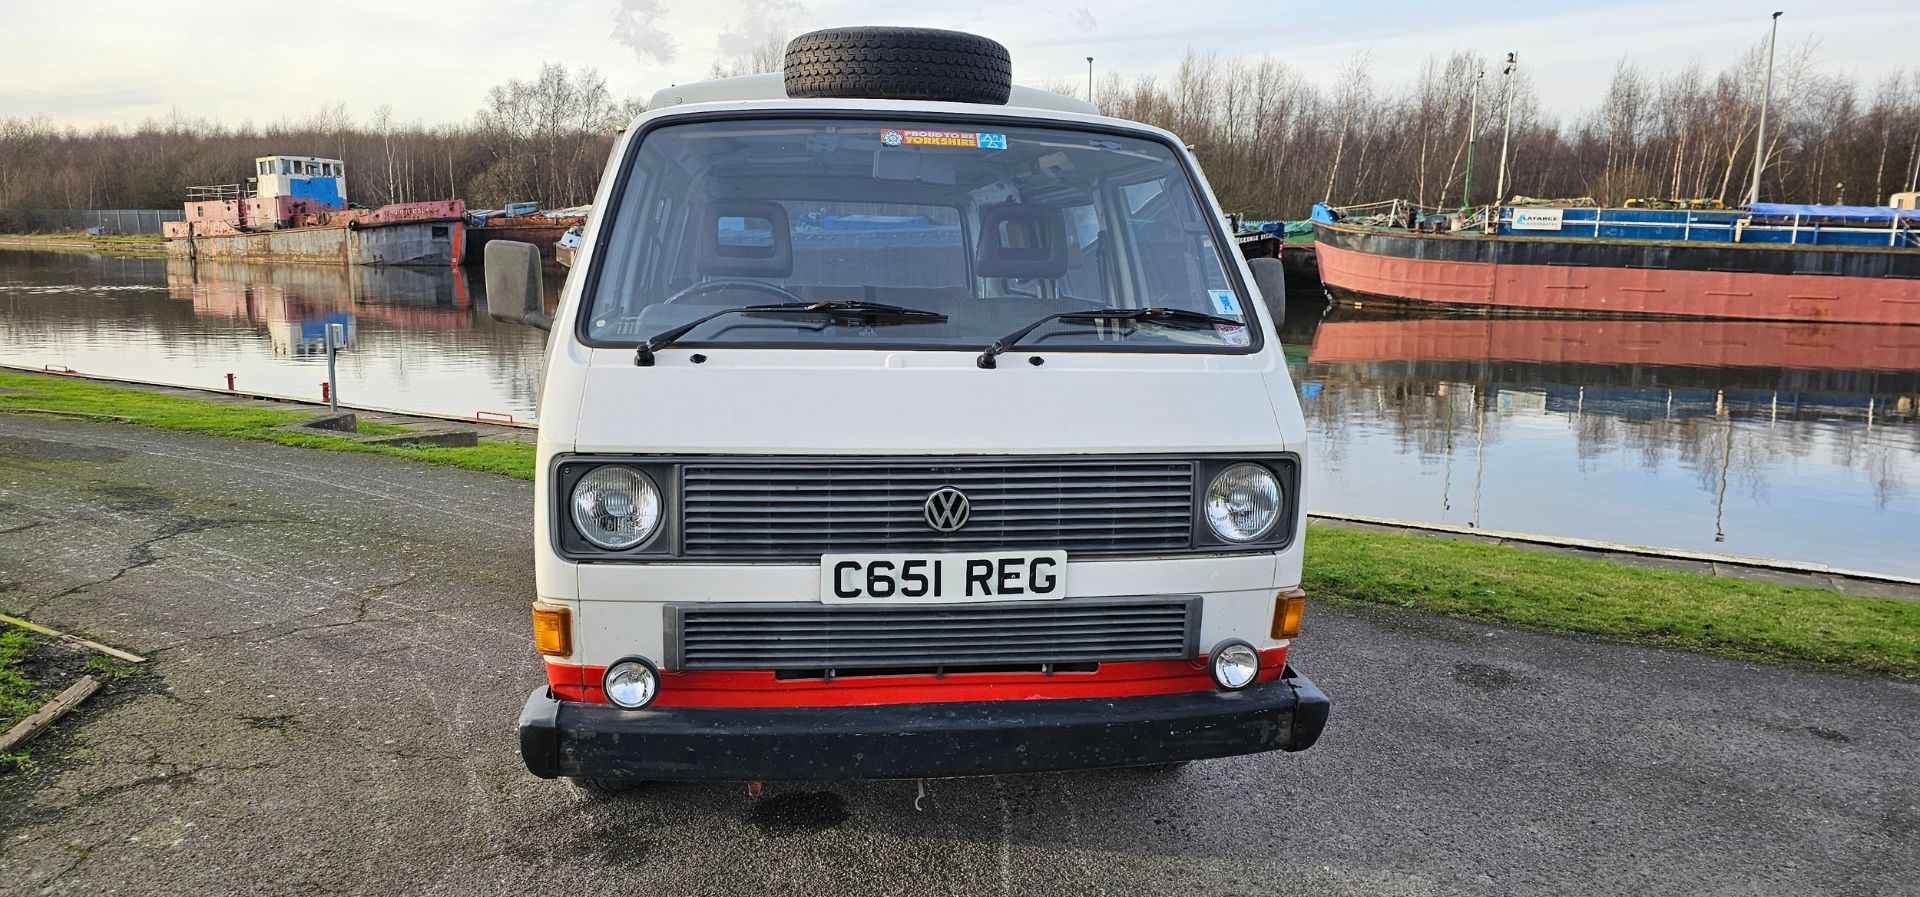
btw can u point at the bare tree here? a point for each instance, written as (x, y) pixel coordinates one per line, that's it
(1271, 140)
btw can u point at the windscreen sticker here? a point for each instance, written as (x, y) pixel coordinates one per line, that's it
(1234, 334)
(898, 137)
(1225, 303)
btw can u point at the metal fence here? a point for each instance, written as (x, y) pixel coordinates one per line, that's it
(110, 221)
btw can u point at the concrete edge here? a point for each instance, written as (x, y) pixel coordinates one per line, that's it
(1621, 548)
(480, 417)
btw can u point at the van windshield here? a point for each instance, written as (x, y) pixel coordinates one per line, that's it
(994, 227)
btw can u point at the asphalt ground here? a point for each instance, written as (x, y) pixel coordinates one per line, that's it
(340, 652)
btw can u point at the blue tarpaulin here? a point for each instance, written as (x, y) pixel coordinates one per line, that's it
(1883, 214)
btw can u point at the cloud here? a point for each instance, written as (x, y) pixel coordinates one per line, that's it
(761, 22)
(634, 27)
(1081, 19)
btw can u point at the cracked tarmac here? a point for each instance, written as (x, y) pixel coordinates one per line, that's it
(340, 651)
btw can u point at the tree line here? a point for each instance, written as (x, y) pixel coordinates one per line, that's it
(1272, 140)
(541, 140)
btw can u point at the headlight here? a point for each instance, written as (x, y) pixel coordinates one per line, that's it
(616, 507)
(1243, 503)
(1233, 664)
(631, 683)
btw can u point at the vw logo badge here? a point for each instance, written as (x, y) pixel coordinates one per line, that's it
(948, 509)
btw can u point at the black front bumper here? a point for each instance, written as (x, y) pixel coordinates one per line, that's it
(905, 741)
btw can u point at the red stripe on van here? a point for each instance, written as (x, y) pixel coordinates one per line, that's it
(759, 688)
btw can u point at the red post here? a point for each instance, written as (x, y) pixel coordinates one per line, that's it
(324, 392)
(229, 383)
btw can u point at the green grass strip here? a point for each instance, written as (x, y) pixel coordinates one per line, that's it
(103, 239)
(19, 696)
(28, 393)
(1502, 584)
(1457, 578)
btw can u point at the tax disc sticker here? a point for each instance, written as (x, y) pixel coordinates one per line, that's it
(1234, 334)
(1225, 303)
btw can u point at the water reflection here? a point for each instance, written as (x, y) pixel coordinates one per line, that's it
(418, 338)
(294, 305)
(1783, 440)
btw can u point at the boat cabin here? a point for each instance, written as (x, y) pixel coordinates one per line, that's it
(323, 181)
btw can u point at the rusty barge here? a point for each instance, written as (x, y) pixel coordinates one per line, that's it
(524, 223)
(1767, 261)
(294, 209)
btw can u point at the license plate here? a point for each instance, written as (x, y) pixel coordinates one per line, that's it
(942, 578)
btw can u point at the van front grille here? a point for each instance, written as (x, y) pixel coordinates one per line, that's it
(957, 637)
(803, 509)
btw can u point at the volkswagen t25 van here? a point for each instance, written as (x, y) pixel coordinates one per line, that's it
(899, 422)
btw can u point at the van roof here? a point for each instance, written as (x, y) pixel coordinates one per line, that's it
(774, 87)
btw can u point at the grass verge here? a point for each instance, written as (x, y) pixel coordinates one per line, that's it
(26, 393)
(154, 240)
(32, 671)
(19, 695)
(112, 244)
(1456, 578)
(1501, 584)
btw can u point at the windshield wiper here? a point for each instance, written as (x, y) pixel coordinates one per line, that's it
(846, 309)
(1178, 318)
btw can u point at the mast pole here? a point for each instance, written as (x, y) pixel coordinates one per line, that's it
(1760, 134)
(1473, 119)
(1500, 192)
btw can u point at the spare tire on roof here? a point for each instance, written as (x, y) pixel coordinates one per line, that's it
(898, 64)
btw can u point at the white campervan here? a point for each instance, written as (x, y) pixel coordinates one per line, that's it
(899, 422)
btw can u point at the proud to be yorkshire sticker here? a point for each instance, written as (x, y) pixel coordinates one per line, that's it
(897, 137)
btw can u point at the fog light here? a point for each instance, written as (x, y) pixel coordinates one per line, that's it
(631, 682)
(1233, 663)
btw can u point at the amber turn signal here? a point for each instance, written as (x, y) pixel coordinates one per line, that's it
(552, 630)
(1287, 608)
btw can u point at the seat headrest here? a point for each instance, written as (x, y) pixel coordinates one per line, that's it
(1021, 241)
(745, 238)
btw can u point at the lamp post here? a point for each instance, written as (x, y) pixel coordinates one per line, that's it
(1760, 134)
(1913, 175)
(1473, 127)
(1089, 79)
(1506, 137)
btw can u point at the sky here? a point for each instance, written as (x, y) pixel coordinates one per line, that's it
(122, 61)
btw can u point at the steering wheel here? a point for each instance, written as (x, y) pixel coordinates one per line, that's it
(733, 283)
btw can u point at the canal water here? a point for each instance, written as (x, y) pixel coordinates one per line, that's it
(418, 339)
(1790, 441)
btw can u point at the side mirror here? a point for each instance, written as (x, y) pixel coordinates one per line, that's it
(515, 293)
(1270, 277)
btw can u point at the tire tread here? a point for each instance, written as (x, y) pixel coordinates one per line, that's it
(898, 64)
